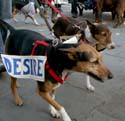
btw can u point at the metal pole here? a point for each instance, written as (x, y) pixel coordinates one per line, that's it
(5, 9)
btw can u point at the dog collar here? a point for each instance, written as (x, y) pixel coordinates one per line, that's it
(100, 49)
(47, 66)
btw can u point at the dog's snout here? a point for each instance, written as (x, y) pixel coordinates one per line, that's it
(112, 46)
(110, 76)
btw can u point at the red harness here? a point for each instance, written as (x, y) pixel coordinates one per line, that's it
(48, 68)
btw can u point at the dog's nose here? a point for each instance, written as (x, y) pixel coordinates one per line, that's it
(112, 46)
(110, 76)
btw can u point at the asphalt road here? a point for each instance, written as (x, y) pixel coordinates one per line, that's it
(107, 103)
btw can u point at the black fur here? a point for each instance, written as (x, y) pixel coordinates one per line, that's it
(3, 31)
(19, 3)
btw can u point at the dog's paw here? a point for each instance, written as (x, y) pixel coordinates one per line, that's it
(91, 88)
(64, 115)
(15, 19)
(36, 23)
(19, 101)
(54, 112)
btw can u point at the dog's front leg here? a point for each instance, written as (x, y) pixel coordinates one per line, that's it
(14, 12)
(17, 98)
(53, 111)
(57, 106)
(90, 87)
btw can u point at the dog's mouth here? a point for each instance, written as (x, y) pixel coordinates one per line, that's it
(95, 77)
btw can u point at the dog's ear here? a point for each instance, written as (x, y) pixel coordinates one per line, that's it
(65, 50)
(78, 56)
(91, 25)
(83, 56)
(70, 53)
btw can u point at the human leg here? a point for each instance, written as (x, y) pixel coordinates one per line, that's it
(74, 8)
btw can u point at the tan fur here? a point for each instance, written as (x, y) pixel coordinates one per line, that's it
(90, 66)
(120, 9)
(102, 36)
(14, 12)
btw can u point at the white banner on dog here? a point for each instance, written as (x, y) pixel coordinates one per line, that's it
(30, 67)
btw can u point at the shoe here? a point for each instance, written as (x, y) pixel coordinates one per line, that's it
(74, 15)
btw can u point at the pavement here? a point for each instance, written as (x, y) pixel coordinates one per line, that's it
(107, 103)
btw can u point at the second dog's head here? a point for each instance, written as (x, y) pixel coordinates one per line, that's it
(102, 35)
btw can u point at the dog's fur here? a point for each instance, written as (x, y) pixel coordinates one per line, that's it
(61, 58)
(3, 31)
(68, 26)
(120, 10)
(98, 36)
(117, 7)
(17, 7)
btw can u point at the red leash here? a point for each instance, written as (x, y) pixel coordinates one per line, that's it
(55, 9)
(48, 68)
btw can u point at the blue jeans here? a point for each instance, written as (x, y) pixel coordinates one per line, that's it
(74, 7)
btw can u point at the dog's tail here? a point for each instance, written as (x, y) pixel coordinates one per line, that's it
(7, 26)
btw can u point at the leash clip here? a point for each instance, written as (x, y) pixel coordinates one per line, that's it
(55, 42)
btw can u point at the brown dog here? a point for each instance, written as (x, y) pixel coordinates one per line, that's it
(98, 36)
(120, 9)
(62, 59)
(100, 32)
(117, 7)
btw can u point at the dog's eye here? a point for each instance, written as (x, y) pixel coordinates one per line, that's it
(103, 33)
(96, 62)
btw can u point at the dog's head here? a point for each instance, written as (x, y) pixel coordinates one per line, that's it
(87, 60)
(68, 26)
(102, 35)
